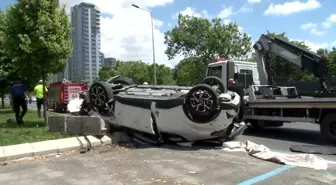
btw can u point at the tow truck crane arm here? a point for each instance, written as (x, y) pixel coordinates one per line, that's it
(302, 58)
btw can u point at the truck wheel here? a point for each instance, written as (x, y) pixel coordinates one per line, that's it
(328, 128)
(215, 83)
(201, 104)
(99, 94)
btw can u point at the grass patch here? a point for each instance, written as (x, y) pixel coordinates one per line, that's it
(33, 129)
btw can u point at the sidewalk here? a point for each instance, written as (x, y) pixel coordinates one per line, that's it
(165, 165)
(81, 144)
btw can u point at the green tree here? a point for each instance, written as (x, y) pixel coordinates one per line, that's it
(6, 71)
(189, 71)
(205, 39)
(37, 38)
(105, 73)
(332, 61)
(139, 71)
(283, 68)
(164, 75)
(322, 51)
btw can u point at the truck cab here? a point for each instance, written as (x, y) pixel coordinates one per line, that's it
(225, 69)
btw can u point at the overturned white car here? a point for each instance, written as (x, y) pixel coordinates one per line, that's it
(165, 113)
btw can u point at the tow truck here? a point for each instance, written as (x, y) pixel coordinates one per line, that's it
(266, 103)
(270, 105)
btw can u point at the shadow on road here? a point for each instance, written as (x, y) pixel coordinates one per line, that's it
(173, 146)
(288, 134)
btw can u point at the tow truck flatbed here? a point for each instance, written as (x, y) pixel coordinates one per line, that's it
(269, 105)
(294, 103)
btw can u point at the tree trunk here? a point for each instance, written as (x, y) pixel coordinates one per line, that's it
(3, 101)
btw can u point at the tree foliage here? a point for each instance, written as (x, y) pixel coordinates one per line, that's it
(6, 70)
(37, 37)
(139, 71)
(189, 71)
(283, 68)
(331, 56)
(105, 73)
(205, 39)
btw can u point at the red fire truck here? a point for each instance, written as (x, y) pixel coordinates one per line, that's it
(61, 93)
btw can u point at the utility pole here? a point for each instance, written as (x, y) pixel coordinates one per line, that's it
(153, 45)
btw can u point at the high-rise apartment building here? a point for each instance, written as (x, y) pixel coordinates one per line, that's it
(110, 62)
(84, 62)
(102, 56)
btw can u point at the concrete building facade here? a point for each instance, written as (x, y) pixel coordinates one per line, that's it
(84, 62)
(101, 59)
(110, 62)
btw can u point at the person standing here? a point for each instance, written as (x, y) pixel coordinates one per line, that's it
(39, 97)
(19, 92)
(239, 125)
(235, 86)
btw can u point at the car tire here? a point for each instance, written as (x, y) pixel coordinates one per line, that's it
(201, 110)
(216, 82)
(99, 94)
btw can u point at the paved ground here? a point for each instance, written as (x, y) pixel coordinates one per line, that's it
(174, 165)
(282, 138)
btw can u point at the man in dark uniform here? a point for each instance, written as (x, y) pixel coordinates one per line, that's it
(238, 126)
(18, 93)
(235, 86)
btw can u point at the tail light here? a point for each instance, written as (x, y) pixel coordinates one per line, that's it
(62, 96)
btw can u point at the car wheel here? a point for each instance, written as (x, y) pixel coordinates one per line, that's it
(216, 83)
(99, 94)
(201, 104)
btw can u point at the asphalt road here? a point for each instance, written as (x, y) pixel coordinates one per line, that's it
(165, 165)
(282, 138)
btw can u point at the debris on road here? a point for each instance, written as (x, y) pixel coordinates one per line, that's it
(311, 149)
(264, 153)
(41, 157)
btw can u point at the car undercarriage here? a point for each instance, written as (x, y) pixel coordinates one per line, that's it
(160, 114)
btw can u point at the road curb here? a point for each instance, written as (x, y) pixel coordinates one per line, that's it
(80, 143)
